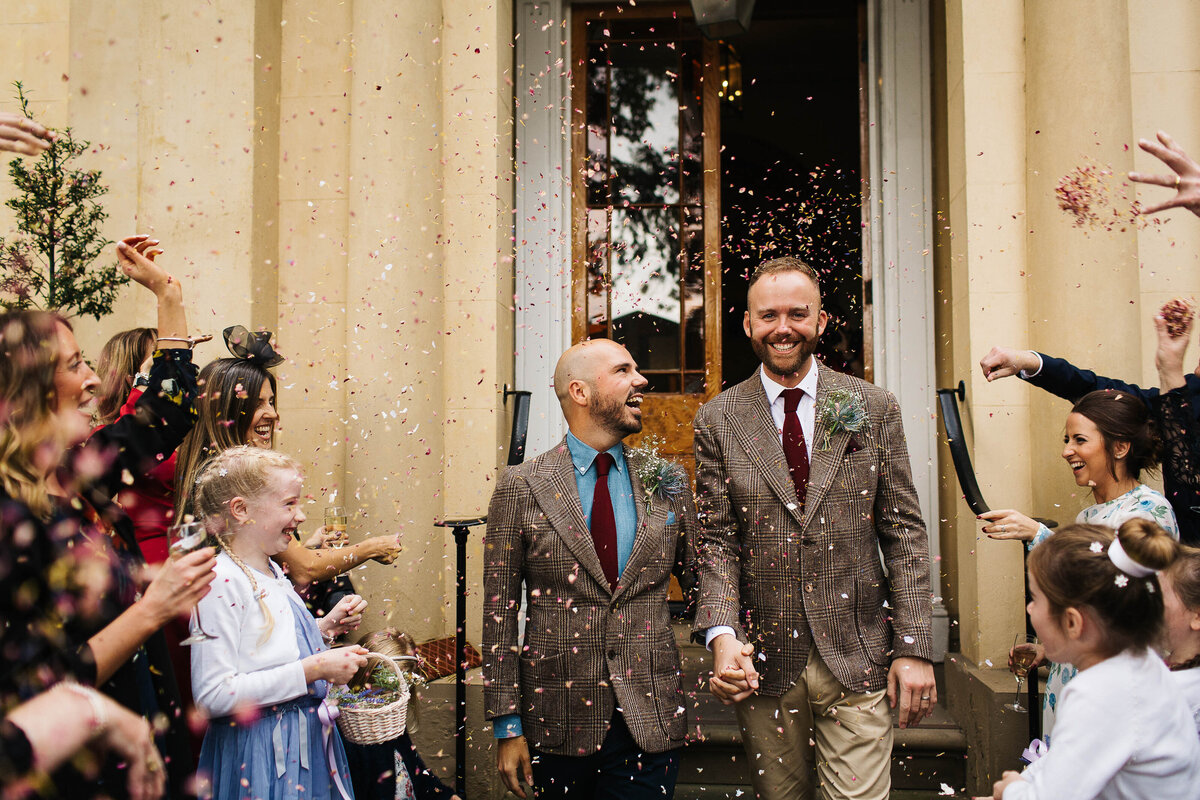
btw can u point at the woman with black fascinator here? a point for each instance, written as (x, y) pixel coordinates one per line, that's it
(237, 407)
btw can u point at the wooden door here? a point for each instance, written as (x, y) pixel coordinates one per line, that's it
(646, 199)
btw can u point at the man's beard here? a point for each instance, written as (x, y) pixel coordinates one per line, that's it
(784, 363)
(612, 415)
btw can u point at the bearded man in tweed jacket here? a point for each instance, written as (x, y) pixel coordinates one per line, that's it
(810, 630)
(594, 693)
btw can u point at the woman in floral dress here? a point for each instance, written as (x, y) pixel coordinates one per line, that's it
(1109, 442)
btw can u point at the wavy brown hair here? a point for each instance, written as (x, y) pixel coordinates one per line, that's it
(120, 360)
(229, 390)
(28, 360)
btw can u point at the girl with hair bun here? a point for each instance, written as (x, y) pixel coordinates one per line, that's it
(1181, 611)
(1123, 729)
(263, 676)
(1108, 444)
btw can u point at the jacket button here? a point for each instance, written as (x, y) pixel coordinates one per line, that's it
(612, 653)
(808, 587)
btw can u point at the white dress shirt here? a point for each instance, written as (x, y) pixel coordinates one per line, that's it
(807, 411)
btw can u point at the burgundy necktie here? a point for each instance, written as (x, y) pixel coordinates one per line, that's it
(794, 447)
(604, 524)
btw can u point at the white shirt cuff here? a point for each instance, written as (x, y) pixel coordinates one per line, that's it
(1027, 374)
(714, 632)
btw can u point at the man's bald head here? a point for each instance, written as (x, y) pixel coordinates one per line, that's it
(600, 391)
(582, 362)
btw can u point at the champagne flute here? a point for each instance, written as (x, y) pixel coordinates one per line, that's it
(1024, 653)
(184, 538)
(335, 526)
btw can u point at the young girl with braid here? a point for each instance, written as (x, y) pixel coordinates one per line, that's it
(263, 679)
(1123, 729)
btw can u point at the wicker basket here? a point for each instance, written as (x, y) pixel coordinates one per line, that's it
(377, 724)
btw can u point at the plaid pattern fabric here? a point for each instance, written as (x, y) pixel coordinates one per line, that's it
(783, 576)
(587, 650)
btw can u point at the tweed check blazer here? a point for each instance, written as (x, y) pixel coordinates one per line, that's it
(587, 650)
(783, 576)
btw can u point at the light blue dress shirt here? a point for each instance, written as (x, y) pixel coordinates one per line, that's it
(620, 490)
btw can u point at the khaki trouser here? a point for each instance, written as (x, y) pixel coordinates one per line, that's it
(848, 735)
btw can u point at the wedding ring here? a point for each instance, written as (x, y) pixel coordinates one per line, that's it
(153, 766)
(925, 697)
(1177, 181)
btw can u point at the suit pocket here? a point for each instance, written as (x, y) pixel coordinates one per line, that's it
(667, 685)
(544, 700)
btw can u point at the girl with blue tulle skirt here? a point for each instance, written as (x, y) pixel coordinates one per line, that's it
(263, 675)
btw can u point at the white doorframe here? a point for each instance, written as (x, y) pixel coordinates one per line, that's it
(543, 210)
(901, 245)
(900, 235)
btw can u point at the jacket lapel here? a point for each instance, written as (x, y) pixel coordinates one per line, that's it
(756, 433)
(826, 455)
(644, 540)
(553, 486)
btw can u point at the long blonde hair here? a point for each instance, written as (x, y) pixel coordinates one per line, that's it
(241, 471)
(28, 361)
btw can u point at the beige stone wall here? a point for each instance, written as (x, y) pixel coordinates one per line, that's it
(339, 172)
(1032, 89)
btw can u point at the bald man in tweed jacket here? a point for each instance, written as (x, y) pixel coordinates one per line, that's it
(594, 691)
(808, 627)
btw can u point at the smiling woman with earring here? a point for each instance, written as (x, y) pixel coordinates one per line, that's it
(1109, 442)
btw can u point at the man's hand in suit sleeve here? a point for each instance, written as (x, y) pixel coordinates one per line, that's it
(911, 684)
(1001, 362)
(512, 761)
(734, 677)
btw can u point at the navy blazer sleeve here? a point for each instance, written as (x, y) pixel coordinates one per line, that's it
(1060, 377)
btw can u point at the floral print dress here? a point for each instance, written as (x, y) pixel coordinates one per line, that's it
(1139, 502)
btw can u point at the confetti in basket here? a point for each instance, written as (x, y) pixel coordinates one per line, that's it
(374, 715)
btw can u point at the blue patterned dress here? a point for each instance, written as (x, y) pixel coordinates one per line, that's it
(283, 751)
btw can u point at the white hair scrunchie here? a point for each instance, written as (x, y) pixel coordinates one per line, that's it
(1117, 555)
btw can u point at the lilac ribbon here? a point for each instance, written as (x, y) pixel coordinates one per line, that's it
(1037, 749)
(328, 712)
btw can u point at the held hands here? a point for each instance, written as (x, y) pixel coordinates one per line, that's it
(180, 584)
(734, 677)
(336, 666)
(343, 617)
(21, 135)
(512, 761)
(911, 683)
(1185, 181)
(1001, 362)
(1009, 524)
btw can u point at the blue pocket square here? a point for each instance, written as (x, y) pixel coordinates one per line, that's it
(670, 517)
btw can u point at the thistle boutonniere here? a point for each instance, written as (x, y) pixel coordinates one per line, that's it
(659, 475)
(841, 410)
